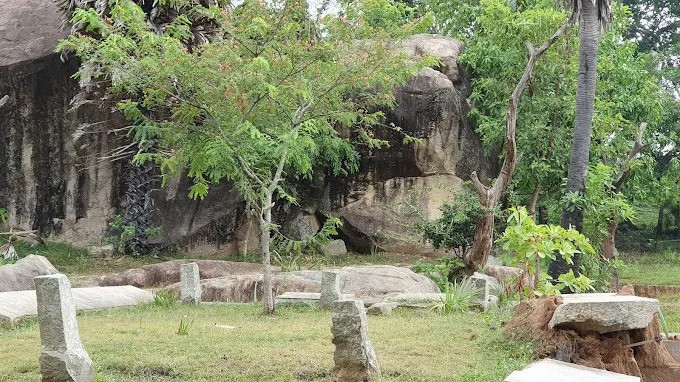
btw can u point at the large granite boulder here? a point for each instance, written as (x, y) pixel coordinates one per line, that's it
(29, 29)
(373, 282)
(53, 179)
(19, 276)
(166, 273)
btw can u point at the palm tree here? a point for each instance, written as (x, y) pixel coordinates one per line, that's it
(592, 17)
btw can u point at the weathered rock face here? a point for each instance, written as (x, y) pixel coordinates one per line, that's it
(167, 273)
(53, 179)
(365, 282)
(29, 30)
(19, 276)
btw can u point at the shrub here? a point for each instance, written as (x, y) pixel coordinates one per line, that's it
(439, 271)
(459, 297)
(531, 246)
(456, 227)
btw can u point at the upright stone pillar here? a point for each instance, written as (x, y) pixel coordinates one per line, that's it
(330, 289)
(62, 357)
(354, 357)
(190, 283)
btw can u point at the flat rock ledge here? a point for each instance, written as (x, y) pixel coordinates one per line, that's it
(557, 371)
(15, 306)
(603, 312)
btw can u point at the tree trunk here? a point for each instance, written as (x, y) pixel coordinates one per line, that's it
(531, 209)
(489, 196)
(265, 239)
(609, 250)
(481, 244)
(659, 220)
(589, 28)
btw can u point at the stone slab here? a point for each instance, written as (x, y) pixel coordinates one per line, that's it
(603, 312)
(15, 306)
(557, 371)
(673, 347)
(295, 298)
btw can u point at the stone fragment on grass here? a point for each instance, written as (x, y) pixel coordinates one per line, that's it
(489, 289)
(603, 312)
(63, 357)
(354, 357)
(190, 283)
(330, 288)
(381, 309)
(557, 371)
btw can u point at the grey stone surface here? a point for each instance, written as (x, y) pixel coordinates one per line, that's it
(365, 282)
(603, 312)
(190, 283)
(417, 299)
(673, 347)
(62, 357)
(489, 289)
(19, 276)
(301, 226)
(29, 29)
(446, 48)
(330, 288)
(354, 357)
(14, 306)
(381, 309)
(557, 371)
(302, 298)
(334, 248)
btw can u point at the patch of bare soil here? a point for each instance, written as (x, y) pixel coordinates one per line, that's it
(609, 351)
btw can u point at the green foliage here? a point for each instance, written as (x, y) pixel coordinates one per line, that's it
(183, 329)
(455, 228)
(265, 94)
(531, 246)
(3, 216)
(601, 202)
(164, 299)
(459, 297)
(292, 249)
(495, 33)
(125, 238)
(439, 271)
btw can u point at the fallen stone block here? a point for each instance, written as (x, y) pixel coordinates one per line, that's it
(381, 309)
(15, 306)
(302, 298)
(603, 312)
(558, 371)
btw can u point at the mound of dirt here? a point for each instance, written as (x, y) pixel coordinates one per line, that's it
(609, 351)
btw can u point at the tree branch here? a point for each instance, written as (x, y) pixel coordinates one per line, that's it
(510, 161)
(634, 151)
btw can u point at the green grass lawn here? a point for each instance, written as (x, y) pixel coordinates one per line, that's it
(141, 344)
(651, 268)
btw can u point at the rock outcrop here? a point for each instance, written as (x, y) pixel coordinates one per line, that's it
(363, 281)
(162, 274)
(54, 179)
(19, 276)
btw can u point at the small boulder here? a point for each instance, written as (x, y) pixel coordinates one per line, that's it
(334, 248)
(19, 276)
(381, 309)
